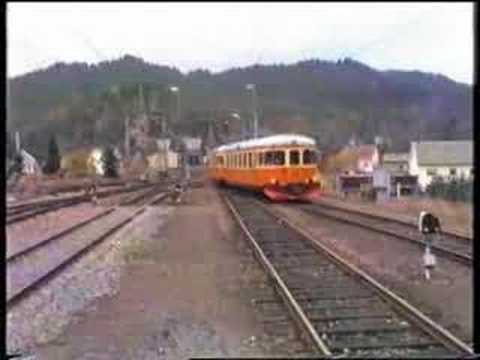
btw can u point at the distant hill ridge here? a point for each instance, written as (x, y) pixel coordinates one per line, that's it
(329, 100)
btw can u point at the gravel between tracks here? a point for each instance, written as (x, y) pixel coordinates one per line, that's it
(25, 233)
(398, 265)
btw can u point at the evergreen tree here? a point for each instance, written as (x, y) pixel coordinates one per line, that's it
(10, 146)
(110, 162)
(53, 157)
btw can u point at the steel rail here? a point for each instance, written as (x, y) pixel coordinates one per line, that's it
(56, 236)
(298, 314)
(454, 255)
(423, 321)
(388, 218)
(71, 229)
(20, 294)
(40, 208)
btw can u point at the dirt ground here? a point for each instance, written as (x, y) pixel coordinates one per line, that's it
(455, 216)
(180, 294)
(447, 297)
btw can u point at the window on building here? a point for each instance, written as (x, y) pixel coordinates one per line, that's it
(453, 171)
(294, 157)
(275, 158)
(309, 157)
(432, 172)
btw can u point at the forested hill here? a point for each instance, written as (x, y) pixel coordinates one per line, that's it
(330, 100)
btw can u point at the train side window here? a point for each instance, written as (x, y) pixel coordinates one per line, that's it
(269, 158)
(275, 158)
(279, 158)
(245, 160)
(260, 159)
(294, 157)
(309, 157)
(250, 160)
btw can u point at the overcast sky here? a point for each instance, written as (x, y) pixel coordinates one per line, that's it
(431, 37)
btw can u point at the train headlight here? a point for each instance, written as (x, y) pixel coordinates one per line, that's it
(273, 181)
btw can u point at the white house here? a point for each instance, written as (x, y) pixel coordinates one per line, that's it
(30, 164)
(193, 150)
(447, 159)
(396, 163)
(368, 158)
(192, 143)
(95, 160)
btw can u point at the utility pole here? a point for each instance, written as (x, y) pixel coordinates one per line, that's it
(17, 142)
(127, 136)
(253, 89)
(176, 90)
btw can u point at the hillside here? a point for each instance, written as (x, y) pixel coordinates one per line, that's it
(84, 103)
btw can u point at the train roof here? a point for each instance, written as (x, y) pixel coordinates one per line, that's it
(275, 140)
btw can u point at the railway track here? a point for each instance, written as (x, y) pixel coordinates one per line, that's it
(339, 310)
(33, 266)
(25, 211)
(448, 245)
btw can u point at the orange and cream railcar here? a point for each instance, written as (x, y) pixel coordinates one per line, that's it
(283, 167)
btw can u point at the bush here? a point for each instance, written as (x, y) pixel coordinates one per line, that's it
(453, 190)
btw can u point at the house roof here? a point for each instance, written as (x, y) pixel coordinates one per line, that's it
(445, 152)
(395, 157)
(365, 152)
